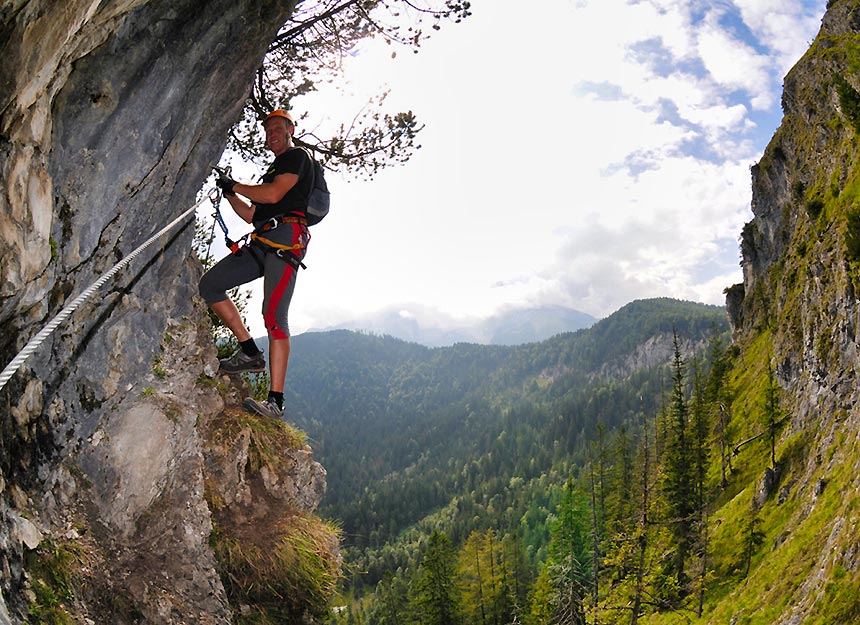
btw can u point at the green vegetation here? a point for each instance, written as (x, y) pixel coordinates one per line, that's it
(51, 567)
(679, 491)
(814, 206)
(648, 481)
(282, 566)
(282, 570)
(158, 368)
(852, 234)
(849, 100)
(268, 438)
(469, 440)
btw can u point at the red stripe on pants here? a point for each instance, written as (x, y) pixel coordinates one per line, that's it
(275, 331)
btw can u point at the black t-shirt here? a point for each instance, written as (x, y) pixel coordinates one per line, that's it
(293, 161)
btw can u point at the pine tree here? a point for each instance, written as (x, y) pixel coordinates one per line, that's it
(719, 401)
(541, 600)
(517, 578)
(433, 595)
(679, 478)
(701, 451)
(570, 559)
(643, 524)
(751, 537)
(772, 414)
(390, 605)
(623, 480)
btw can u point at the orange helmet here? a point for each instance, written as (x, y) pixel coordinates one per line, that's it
(279, 113)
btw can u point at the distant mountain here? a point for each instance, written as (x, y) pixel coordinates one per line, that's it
(532, 325)
(511, 327)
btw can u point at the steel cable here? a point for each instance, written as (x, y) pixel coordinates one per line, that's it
(52, 325)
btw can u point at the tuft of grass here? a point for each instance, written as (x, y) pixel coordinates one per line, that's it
(204, 381)
(283, 572)
(841, 601)
(51, 569)
(158, 369)
(269, 437)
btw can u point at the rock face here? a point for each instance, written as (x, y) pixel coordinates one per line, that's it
(799, 293)
(799, 276)
(110, 114)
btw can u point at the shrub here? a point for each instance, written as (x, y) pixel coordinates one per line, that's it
(849, 100)
(814, 206)
(852, 234)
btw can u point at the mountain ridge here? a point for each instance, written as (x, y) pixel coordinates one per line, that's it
(414, 410)
(513, 326)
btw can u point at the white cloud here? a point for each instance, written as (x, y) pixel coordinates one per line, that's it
(733, 64)
(583, 153)
(785, 26)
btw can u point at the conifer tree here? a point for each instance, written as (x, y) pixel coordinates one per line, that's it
(751, 537)
(679, 477)
(473, 576)
(719, 400)
(433, 595)
(570, 559)
(390, 605)
(772, 415)
(541, 600)
(701, 451)
(623, 481)
(517, 578)
(493, 578)
(643, 524)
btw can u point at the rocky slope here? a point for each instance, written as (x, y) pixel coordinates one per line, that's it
(797, 309)
(110, 113)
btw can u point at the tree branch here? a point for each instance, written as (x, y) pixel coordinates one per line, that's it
(282, 39)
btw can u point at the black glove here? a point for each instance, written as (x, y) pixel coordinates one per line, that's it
(225, 183)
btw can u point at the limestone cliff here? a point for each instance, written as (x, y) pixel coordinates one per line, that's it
(110, 114)
(798, 309)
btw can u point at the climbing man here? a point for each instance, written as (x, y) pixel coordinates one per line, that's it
(277, 208)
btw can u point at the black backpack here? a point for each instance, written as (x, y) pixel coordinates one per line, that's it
(319, 198)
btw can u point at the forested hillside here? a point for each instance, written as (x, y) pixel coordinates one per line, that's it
(472, 438)
(644, 470)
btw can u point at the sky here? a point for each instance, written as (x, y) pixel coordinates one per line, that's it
(583, 153)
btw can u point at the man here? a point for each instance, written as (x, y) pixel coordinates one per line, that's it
(277, 208)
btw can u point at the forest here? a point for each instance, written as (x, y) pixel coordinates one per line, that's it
(567, 481)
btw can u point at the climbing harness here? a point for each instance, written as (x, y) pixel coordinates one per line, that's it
(280, 250)
(286, 252)
(37, 340)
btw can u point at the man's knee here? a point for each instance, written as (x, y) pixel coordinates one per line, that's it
(210, 290)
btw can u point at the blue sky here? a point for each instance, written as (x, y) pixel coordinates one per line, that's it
(584, 153)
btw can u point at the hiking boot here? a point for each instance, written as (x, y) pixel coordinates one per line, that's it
(240, 363)
(267, 408)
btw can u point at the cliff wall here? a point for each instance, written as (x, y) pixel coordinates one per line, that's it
(797, 310)
(110, 115)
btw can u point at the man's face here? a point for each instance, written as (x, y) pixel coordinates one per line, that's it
(277, 131)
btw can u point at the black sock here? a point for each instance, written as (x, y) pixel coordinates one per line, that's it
(249, 347)
(278, 397)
